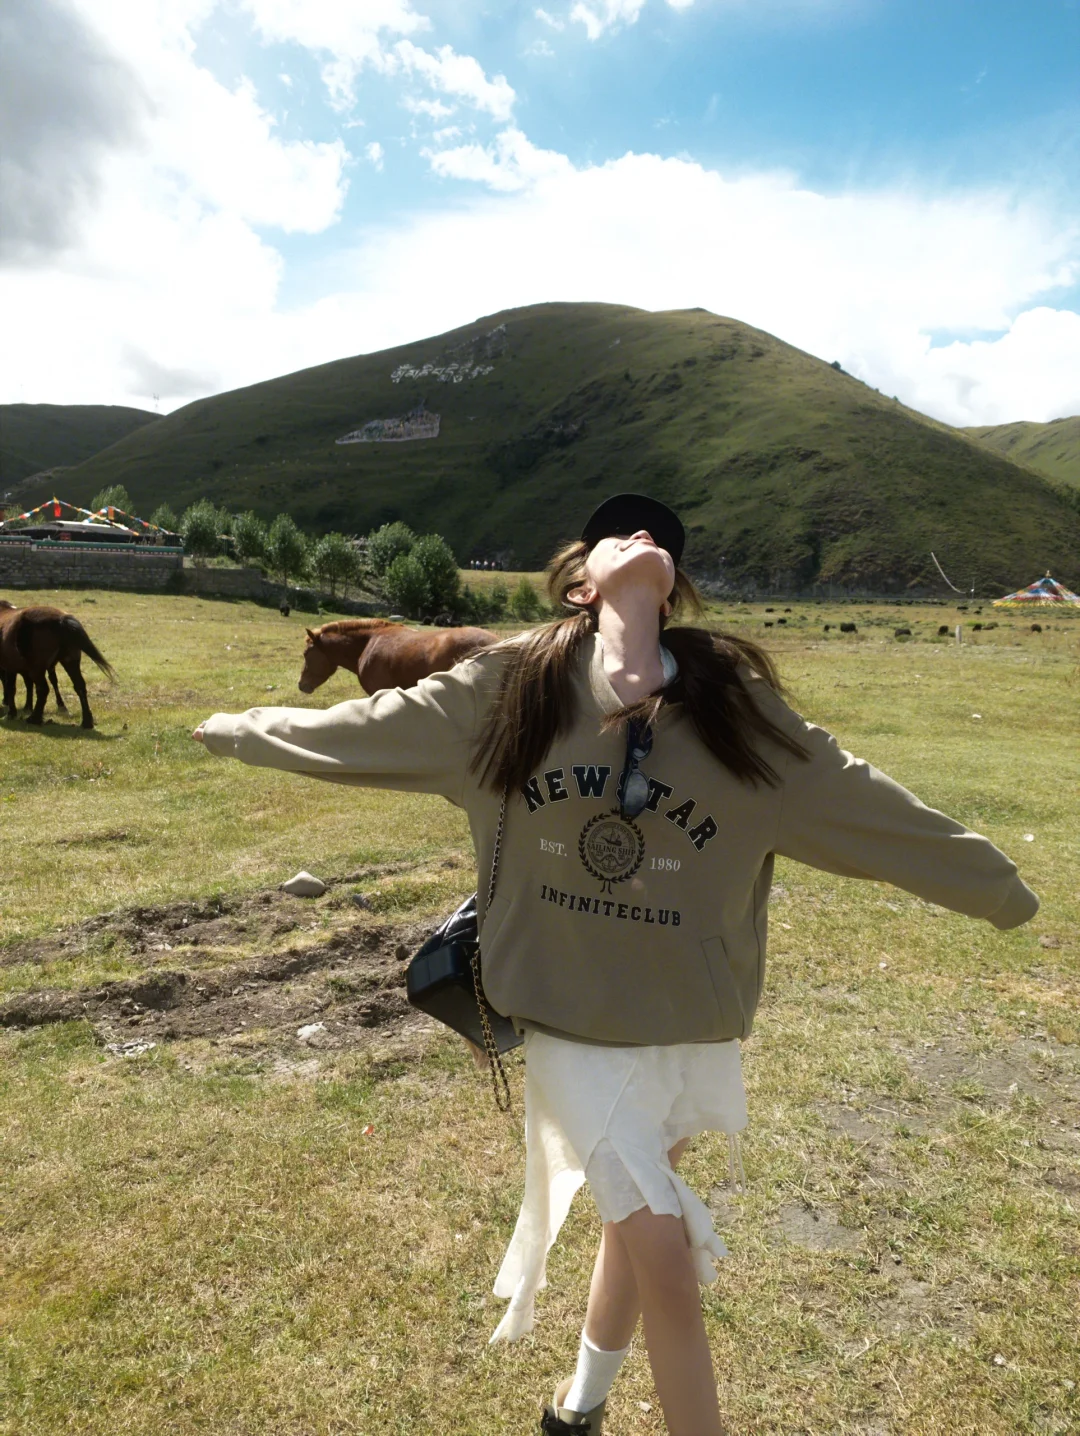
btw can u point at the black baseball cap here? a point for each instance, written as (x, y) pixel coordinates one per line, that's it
(626, 513)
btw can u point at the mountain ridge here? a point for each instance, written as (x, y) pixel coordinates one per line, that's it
(788, 472)
(39, 437)
(1051, 449)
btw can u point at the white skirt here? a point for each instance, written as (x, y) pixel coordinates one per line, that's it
(608, 1116)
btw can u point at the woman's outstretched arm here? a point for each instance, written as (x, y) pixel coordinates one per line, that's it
(418, 739)
(843, 815)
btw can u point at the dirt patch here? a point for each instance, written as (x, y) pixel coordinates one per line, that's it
(815, 1228)
(1028, 1067)
(187, 927)
(345, 984)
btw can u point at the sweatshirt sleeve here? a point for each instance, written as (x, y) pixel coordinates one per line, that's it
(841, 814)
(417, 739)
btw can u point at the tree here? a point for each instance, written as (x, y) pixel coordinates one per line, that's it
(498, 599)
(201, 529)
(164, 517)
(335, 561)
(249, 538)
(525, 601)
(406, 586)
(388, 543)
(286, 549)
(115, 497)
(436, 558)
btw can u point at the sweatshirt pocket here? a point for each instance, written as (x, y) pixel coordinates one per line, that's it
(725, 986)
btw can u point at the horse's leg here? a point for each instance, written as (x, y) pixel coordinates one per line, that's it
(71, 666)
(41, 692)
(29, 693)
(61, 705)
(7, 680)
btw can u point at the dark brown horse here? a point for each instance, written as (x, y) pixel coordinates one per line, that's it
(384, 654)
(33, 640)
(7, 607)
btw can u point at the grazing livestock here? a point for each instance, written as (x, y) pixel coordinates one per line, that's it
(828, 626)
(6, 609)
(943, 631)
(384, 654)
(902, 633)
(283, 608)
(975, 627)
(768, 623)
(1036, 628)
(848, 628)
(33, 640)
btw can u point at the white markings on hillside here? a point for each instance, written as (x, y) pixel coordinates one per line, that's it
(467, 360)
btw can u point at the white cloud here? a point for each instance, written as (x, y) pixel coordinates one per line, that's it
(1033, 370)
(866, 278)
(434, 109)
(348, 35)
(167, 254)
(375, 154)
(542, 48)
(510, 163)
(459, 75)
(599, 16)
(549, 19)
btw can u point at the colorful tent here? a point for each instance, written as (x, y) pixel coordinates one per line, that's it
(1044, 593)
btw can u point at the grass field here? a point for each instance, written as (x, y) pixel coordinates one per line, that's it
(240, 1232)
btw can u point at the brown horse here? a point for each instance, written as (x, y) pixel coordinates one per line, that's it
(384, 654)
(6, 608)
(33, 640)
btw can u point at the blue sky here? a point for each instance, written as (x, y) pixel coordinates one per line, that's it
(850, 93)
(890, 182)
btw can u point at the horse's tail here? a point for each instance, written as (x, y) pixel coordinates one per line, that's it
(86, 644)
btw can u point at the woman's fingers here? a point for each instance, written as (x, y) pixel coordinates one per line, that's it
(198, 734)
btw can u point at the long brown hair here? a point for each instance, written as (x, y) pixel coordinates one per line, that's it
(535, 703)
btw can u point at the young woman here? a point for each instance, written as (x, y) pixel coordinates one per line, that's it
(650, 776)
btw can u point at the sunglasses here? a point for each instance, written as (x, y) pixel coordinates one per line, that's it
(634, 785)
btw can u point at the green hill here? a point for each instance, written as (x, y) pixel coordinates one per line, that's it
(787, 471)
(34, 437)
(1052, 449)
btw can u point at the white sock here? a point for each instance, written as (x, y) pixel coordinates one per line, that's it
(594, 1377)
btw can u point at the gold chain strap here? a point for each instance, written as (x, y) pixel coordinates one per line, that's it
(499, 1085)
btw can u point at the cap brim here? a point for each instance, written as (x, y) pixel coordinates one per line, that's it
(627, 513)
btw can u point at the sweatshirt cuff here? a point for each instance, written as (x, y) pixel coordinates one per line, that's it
(1020, 906)
(219, 735)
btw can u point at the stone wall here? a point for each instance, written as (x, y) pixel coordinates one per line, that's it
(85, 566)
(156, 570)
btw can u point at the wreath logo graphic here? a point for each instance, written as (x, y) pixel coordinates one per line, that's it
(611, 848)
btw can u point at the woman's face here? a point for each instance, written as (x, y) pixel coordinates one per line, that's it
(627, 561)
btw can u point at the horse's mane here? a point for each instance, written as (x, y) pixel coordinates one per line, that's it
(356, 625)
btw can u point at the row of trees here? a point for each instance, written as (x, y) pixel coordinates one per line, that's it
(417, 575)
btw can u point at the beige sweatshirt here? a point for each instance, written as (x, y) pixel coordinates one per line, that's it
(649, 931)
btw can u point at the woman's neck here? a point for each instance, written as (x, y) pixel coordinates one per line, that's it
(630, 630)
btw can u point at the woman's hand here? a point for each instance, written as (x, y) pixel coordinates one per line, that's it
(198, 734)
